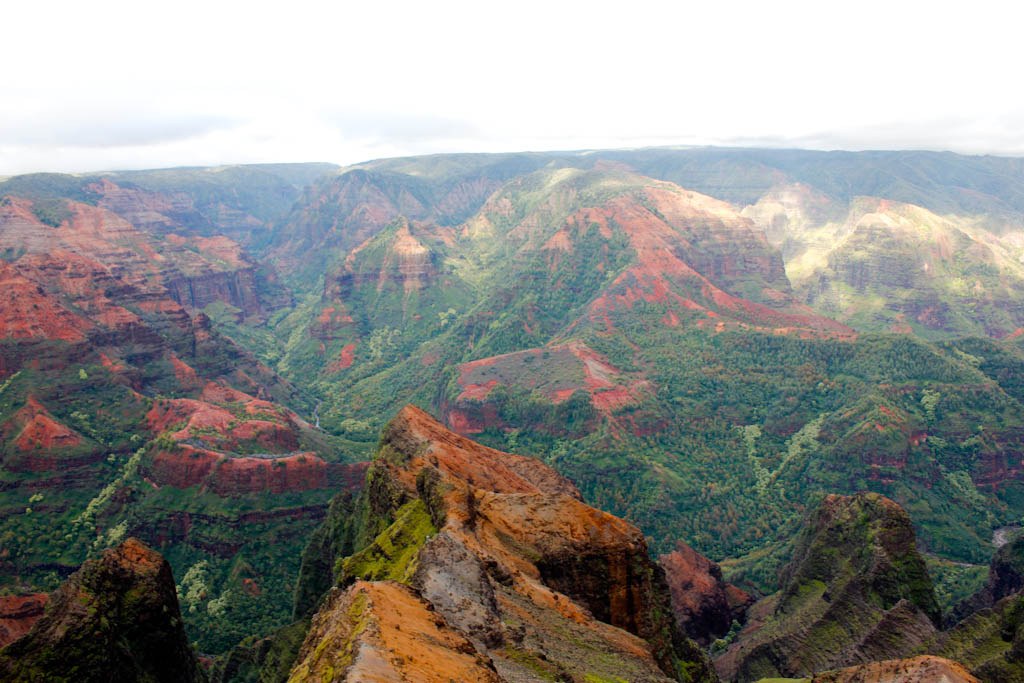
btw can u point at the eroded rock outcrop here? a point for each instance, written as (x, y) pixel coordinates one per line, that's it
(193, 271)
(856, 590)
(501, 552)
(922, 669)
(394, 259)
(41, 443)
(18, 613)
(383, 631)
(704, 604)
(115, 619)
(1005, 577)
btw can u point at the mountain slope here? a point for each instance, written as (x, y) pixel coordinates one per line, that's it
(122, 411)
(856, 590)
(592, 310)
(878, 264)
(115, 619)
(239, 202)
(523, 579)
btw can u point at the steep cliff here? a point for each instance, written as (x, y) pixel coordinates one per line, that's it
(1005, 577)
(115, 619)
(521, 578)
(856, 590)
(704, 604)
(194, 271)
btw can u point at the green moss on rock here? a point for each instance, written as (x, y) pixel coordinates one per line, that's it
(115, 619)
(392, 554)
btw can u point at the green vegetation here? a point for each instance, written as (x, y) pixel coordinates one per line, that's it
(729, 434)
(954, 581)
(51, 211)
(392, 554)
(735, 435)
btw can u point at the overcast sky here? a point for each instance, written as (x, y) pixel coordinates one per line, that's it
(105, 85)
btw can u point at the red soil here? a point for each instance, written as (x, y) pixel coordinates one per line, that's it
(184, 373)
(220, 393)
(18, 613)
(27, 311)
(227, 477)
(456, 456)
(42, 431)
(477, 392)
(345, 359)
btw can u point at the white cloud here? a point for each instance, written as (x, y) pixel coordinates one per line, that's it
(129, 84)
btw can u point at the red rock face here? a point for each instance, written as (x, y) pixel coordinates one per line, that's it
(18, 613)
(467, 460)
(406, 264)
(210, 435)
(302, 472)
(42, 431)
(96, 284)
(146, 209)
(701, 246)
(172, 211)
(568, 580)
(260, 424)
(188, 466)
(194, 271)
(42, 443)
(704, 604)
(27, 311)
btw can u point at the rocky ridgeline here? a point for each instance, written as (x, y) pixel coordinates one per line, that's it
(509, 574)
(459, 562)
(856, 590)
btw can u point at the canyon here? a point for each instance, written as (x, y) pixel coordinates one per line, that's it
(693, 352)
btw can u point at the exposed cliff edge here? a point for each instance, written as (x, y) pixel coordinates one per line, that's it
(115, 619)
(511, 574)
(923, 669)
(1005, 577)
(856, 590)
(704, 604)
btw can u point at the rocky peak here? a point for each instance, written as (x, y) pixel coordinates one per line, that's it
(855, 590)
(401, 257)
(115, 619)
(422, 441)
(704, 604)
(383, 631)
(866, 537)
(503, 552)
